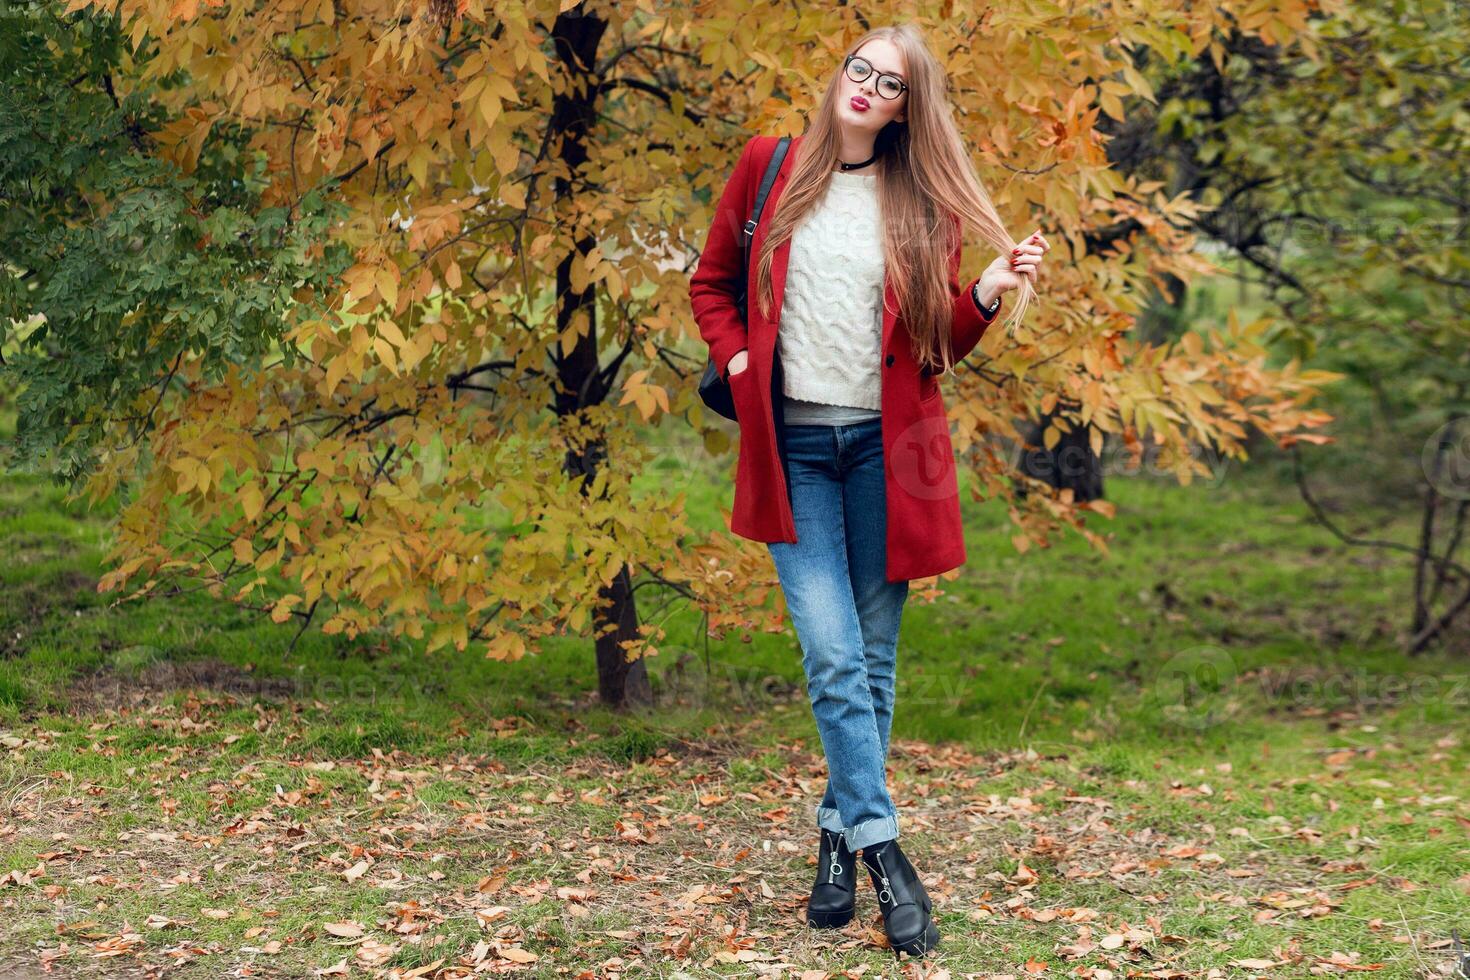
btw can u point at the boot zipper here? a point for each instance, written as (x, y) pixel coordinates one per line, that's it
(833, 868)
(877, 856)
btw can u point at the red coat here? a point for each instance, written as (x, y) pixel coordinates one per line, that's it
(924, 531)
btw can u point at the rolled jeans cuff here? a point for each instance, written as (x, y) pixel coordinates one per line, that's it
(829, 819)
(871, 832)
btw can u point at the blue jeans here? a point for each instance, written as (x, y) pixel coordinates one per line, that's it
(846, 615)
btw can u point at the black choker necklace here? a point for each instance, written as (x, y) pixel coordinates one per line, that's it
(856, 166)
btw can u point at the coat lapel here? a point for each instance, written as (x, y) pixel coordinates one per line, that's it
(778, 274)
(890, 317)
(782, 254)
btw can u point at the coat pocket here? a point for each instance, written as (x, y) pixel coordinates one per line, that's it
(740, 394)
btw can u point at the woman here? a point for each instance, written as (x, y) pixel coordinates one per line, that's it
(845, 465)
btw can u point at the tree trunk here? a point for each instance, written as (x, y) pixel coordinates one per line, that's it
(618, 682)
(582, 379)
(1070, 463)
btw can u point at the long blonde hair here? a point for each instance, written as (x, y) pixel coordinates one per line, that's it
(927, 191)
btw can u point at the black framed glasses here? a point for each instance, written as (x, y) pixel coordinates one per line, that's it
(859, 69)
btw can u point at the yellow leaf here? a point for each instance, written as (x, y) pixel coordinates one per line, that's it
(387, 282)
(513, 193)
(503, 151)
(418, 165)
(267, 559)
(371, 144)
(1139, 83)
(336, 371)
(251, 500)
(389, 330)
(385, 354)
(489, 107)
(361, 339)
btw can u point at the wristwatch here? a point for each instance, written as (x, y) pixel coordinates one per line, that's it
(987, 311)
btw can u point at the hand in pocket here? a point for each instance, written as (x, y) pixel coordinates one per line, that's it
(738, 363)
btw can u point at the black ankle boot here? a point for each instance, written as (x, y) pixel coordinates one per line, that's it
(902, 900)
(832, 900)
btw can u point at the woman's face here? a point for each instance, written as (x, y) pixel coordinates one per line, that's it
(859, 104)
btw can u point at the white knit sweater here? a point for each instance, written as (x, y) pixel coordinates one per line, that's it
(831, 328)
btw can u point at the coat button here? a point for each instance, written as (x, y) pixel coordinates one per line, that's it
(889, 360)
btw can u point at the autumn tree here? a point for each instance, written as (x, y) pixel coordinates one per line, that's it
(1335, 174)
(365, 307)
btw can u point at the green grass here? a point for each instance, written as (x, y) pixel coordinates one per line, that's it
(1207, 734)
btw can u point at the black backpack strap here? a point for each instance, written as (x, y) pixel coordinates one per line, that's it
(772, 168)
